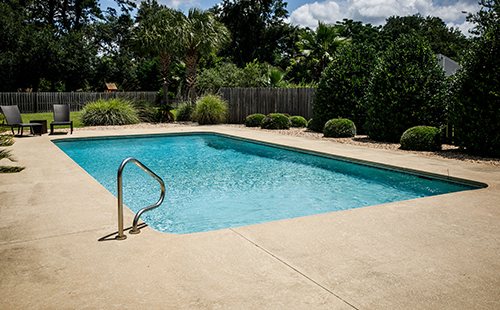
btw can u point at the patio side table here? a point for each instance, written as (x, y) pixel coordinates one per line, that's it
(40, 129)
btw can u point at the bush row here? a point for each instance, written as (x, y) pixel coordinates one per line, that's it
(404, 87)
(418, 138)
(275, 121)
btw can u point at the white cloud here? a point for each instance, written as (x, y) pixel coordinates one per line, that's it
(309, 14)
(376, 12)
(179, 4)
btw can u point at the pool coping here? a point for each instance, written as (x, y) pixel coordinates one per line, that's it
(428, 253)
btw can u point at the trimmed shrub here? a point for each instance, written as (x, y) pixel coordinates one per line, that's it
(276, 121)
(184, 112)
(475, 112)
(408, 88)
(421, 138)
(210, 109)
(109, 112)
(339, 128)
(343, 86)
(254, 120)
(298, 121)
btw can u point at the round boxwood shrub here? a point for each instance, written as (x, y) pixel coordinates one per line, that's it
(421, 138)
(276, 121)
(339, 128)
(109, 112)
(254, 120)
(298, 121)
(210, 109)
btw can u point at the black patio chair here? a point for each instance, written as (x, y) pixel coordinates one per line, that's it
(14, 119)
(61, 117)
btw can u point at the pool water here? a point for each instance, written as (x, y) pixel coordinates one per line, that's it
(214, 182)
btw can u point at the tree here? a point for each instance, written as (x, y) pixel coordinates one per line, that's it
(408, 88)
(361, 34)
(158, 33)
(487, 18)
(258, 28)
(200, 35)
(48, 44)
(343, 86)
(475, 112)
(320, 45)
(443, 40)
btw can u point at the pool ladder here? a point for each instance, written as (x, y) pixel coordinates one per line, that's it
(134, 230)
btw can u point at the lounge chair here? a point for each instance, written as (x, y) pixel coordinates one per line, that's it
(14, 119)
(61, 117)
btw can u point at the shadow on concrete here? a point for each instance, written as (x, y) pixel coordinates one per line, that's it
(112, 236)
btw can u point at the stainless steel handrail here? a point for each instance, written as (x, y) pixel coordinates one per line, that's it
(134, 230)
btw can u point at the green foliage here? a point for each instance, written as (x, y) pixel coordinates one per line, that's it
(343, 86)
(421, 138)
(408, 88)
(226, 74)
(164, 114)
(362, 34)
(210, 109)
(298, 121)
(316, 124)
(109, 112)
(275, 77)
(254, 120)
(6, 140)
(184, 112)
(475, 113)
(258, 29)
(145, 111)
(320, 45)
(339, 128)
(442, 39)
(276, 121)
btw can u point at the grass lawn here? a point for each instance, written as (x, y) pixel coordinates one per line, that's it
(74, 116)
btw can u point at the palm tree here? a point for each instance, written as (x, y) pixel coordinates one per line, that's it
(201, 35)
(158, 33)
(320, 45)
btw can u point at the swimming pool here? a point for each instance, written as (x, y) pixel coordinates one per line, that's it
(214, 181)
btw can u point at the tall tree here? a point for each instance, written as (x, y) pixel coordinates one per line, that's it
(443, 40)
(158, 33)
(361, 34)
(487, 18)
(320, 45)
(201, 34)
(258, 28)
(475, 112)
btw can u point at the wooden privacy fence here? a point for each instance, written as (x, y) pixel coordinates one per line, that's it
(41, 102)
(245, 101)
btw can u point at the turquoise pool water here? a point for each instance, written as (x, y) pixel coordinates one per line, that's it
(214, 182)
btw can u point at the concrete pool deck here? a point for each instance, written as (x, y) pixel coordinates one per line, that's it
(57, 249)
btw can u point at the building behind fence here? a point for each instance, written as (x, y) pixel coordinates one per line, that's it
(242, 101)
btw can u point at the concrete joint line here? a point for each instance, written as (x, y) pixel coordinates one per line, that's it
(294, 269)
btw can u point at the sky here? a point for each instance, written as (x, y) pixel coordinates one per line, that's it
(307, 13)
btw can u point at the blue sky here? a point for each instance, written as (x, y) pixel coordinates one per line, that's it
(308, 13)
